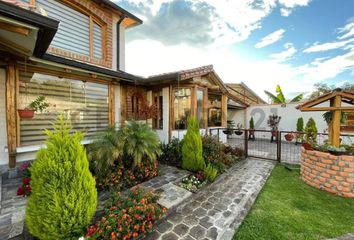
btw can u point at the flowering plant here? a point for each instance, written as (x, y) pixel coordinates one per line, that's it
(128, 217)
(25, 188)
(192, 183)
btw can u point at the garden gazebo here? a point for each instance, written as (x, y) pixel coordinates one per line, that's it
(339, 101)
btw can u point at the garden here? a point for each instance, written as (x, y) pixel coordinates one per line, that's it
(65, 180)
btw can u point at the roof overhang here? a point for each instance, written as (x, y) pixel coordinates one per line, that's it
(25, 32)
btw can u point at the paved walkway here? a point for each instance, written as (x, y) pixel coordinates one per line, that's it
(218, 210)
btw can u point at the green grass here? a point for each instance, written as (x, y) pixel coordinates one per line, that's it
(287, 208)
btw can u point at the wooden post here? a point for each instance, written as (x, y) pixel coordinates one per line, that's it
(205, 109)
(11, 112)
(335, 134)
(223, 110)
(123, 103)
(111, 104)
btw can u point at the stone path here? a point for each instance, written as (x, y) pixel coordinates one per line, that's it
(218, 210)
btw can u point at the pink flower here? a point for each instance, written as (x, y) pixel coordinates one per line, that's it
(20, 191)
(26, 181)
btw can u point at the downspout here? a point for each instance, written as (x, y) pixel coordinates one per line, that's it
(118, 40)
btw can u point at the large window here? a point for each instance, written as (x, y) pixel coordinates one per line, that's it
(200, 107)
(77, 32)
(214, 110)
(157, 121)
(85, 104)
(182, 107)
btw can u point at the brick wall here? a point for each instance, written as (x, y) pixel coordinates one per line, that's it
(334, 174)
(105, 16)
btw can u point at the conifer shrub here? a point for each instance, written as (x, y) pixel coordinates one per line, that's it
(311, 131)
(300, 124)
(252, 123)
(192, 148)
(210, 173)
(64, 198)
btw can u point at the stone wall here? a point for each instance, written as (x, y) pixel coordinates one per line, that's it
(334, 174)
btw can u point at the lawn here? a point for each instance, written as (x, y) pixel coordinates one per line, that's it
(287, 208)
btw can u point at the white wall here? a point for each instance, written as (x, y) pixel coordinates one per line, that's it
(121, 45)
(4, 157)
(237, 115)
(289, 115)
(117, 104)
(180, 134)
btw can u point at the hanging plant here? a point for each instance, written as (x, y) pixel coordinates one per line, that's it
(328, 117)
(37, 105)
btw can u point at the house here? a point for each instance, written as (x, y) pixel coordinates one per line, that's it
(72, 52)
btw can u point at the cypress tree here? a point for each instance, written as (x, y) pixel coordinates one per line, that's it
(311, 131)
(192, 148)
(64, 198)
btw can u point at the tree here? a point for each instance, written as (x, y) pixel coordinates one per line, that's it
(192, 148)
(251, 123)
(280, 98)
(311, 131)
(64, 197)
(323, 88)
(300, 124)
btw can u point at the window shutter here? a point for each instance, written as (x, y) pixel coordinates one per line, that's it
(97, 41)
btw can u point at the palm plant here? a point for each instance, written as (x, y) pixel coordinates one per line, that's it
(280, 98)
(141, 141)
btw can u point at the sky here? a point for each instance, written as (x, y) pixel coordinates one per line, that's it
(294, 43)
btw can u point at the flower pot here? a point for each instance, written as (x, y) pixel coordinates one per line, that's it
(238, 132)
(337, 153)
(26, 113)
(274, 133)
(227, 132)
(251, 134)
(307, 146)
(289, 137)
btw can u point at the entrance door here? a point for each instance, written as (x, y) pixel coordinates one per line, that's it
(4, 156)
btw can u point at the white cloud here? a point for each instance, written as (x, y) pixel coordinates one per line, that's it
(270, 39)
(347, 31)
(289, 51)
(289, 5)
(285, 12)
(328, 46)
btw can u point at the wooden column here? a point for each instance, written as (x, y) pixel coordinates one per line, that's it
(205, 109)
(123, 102)
(11, 112)
(194, 101)
(223, 110)
(111, 104)
(335, 135)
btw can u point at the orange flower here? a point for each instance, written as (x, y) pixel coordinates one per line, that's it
(135, 234)
(136, 227)
(113, 236)
(164, 210)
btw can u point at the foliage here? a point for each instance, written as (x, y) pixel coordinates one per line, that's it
(128, 217)
(192, 183)
(252, 123)
(210, 173)
(328, 116)
(280, 98)
(273, 122)
(230, 124)
(123, 177)
(171, 153)
(135, 142)
(300, 124)
(311, 131)
(287, 208)
(329, 148)
(25, 188)
(192, 149)
(322, 88)
(39, 104)
(64, 198)
(239, 126)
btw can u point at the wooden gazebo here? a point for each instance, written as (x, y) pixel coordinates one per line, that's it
(336, 98)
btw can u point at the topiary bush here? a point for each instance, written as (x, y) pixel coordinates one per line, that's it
(252, 123)
(311, 131)
(300, 124)
(192, 148)
(64, 197)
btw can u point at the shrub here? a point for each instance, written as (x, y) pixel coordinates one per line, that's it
(300, 124)
(128, 217)
(192, 149)
(251, 123)
(64, 197)
(192, 183)
(311, 131)
(171, 153)
(212, 149)
(235, 151)
(210, 173)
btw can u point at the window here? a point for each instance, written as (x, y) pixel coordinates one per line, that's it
(78, 32)
(214, 110)
(182, 107)
(200, 108)
(85, 104)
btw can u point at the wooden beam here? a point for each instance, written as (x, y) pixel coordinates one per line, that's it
(223, 110)
(318, 100)
(11, 112)
(18, 48)
(123, 101)
(336, 122)
(171, 116)
(111, 104)
(345, 109)
(14, 29)
(205, 109)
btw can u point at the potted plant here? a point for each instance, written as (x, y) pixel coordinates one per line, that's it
(230, 127)
(251, 130)
(37, 105)
(289, 136)
(311, 131)
(239, 129)
(299, 130)
(273, 123)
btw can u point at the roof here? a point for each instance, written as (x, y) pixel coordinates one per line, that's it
(242, 91)
(182, 74)
(47, 26)
(346, 96)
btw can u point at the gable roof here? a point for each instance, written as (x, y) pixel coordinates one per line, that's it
(242, 91)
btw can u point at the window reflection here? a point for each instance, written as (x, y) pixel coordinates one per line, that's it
(182, 107)
(214, 110)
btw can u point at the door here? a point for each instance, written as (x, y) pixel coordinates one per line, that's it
(4, 156)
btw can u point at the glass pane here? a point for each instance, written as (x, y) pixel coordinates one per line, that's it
(214, 110)
(182, 107)
(84, 104)
(200, 108)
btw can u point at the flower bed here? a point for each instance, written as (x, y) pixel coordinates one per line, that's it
(328, 172)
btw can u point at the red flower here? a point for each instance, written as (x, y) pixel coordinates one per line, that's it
(20, 191)
(28, 188)
(26, 181)
(135, 234)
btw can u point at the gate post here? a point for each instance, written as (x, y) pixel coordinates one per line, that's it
(279, 146)
(246, 143)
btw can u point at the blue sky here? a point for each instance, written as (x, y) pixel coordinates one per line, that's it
(294, 43)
